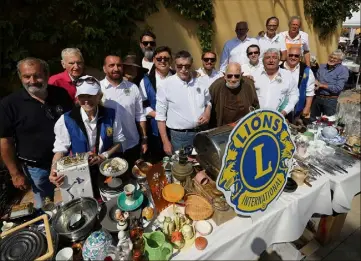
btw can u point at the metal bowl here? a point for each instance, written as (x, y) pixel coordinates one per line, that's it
(89, 208)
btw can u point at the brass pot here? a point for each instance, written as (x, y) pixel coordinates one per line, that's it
(182, 171)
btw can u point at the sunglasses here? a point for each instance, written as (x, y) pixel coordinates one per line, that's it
(146, 43)
(250, 53)
(159, 59)
(294, 55)
(90, 80)
(186, 66)
(212, 60)
(237, 76)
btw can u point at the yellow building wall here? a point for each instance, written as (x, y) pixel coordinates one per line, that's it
(179, 33)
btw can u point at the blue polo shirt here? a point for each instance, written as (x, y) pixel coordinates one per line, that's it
(335, 78)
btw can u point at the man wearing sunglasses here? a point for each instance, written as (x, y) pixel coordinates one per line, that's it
(148, 88)
(118, 91)
(275, 87)
(89, 127)
(27, 119)
(232, 97)
(254, 64)
(183, 105)
(303, 76)
(73, 64)
(234, 50)
(207, 73)
(147, 44)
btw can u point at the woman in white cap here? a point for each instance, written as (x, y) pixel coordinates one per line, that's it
(89, 127)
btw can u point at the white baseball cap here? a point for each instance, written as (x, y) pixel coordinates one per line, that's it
(87, 85)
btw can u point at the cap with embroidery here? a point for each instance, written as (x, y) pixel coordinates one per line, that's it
(87, 85)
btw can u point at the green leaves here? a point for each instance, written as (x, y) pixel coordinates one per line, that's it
(326, 15)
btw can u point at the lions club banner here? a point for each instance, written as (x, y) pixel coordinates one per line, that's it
(256, 161)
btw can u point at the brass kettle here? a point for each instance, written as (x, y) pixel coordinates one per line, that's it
(183, 168)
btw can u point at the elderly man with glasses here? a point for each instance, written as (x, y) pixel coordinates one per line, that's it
(234, 50)
(27, 119)
(254, 63)
(232, 97)
(73, 64)
(149, 86)
(147, 44)
(89, 127)
(272, 39)
(183, 105)
(207, 74)
(305, 80)
(275, 87)
(331, 79)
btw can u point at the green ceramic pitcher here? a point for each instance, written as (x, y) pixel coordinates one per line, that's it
(156, 248)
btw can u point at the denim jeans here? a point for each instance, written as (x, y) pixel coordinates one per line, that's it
(181, 139)
(327, 106)
(40, 184)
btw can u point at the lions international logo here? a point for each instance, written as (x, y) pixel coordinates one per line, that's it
(256, 161)
(109, 131)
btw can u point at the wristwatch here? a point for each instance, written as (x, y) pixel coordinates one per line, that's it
(105, 155)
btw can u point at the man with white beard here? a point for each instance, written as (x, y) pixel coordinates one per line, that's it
(27, 117)
(147, 44)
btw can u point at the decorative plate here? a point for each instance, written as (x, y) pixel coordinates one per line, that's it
(173, 192)
(338, 140)
(138, 200)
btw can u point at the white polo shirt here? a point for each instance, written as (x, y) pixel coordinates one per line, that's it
(295, 72)
(181, 104)
(235, 50)
(277, 42)
(127, 95)
(147, 65)
(207, 80)
(301, 41)
(248, 68)
(280, 93)
(62, 138)
(159, 80)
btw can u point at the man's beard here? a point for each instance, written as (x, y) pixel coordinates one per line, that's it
(36, 89)
(236, 85)
(148, 53)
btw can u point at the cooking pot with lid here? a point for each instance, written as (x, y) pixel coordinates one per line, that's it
(210, 146)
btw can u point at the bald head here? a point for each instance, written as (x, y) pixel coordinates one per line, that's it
(233, 75)
(233, 68)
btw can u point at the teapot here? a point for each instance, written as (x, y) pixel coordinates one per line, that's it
(156, 247)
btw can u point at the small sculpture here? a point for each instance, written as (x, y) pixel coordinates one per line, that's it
(168, 226)
(124, 241)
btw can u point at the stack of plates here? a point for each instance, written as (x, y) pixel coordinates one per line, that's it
(110, 190)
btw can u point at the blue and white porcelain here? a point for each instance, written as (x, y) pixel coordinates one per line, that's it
(96, 244)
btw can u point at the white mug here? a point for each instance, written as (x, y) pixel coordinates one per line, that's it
(66, 254)
(129, 191)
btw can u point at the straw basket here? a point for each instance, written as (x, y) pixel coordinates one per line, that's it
(198, 208)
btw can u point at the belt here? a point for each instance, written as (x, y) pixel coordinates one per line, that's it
(187, 130)
(35, 164)
(328, 96)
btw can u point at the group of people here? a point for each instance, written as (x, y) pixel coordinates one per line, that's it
(156, 105)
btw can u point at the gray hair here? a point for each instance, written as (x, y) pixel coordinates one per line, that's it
(273, 50)
(33, 61)
(71, 51)
(295, 17)
(339, 54)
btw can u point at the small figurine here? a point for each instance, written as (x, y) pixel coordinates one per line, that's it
(122, 218)
(124, 242)
(168, 226)
(187, 232)
(177, 240)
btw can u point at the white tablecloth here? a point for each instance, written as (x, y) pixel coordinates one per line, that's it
(345, 187)
(244, 239)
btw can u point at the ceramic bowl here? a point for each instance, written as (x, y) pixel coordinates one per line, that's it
(329, 132)
(96, 244)
(104, 169)
(203, 227)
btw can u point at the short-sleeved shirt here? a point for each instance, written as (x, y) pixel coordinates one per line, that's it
(31, 123)
(300, 41)
(63, 80)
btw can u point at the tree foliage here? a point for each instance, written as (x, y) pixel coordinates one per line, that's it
(326, 15)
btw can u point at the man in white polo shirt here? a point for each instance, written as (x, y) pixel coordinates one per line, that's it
(275, 87)
(294, 37)
(272, 39)
(207, 74)
(126, 94)
(234, 50)
(183, 105)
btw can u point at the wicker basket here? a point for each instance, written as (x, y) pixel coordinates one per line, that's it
(198, 208)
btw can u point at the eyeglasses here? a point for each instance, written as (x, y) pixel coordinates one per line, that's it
(146, 43)
(250, 53)
(212, 60)
(90, 80)
(294, 55)
(237, 76)
(159, 59)
(186, 66)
